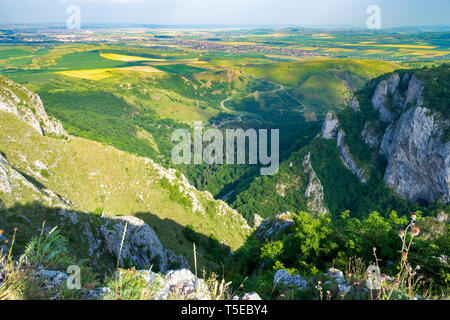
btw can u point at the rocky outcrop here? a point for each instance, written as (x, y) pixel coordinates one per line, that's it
(354, 104)
(389, 100)
(379, 100)
(273, 226)
(282, 277)
(28, 107)
(314, 190)
(330, 130)
(330, 126)
(369, 135)
(181, 284)
(14, 184)
(418, 161)
(5, 185)
(346, 158)
(175, 178)
(141, 246)
(414, 92)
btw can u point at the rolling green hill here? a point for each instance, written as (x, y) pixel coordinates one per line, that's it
(323, 84)
(87, 176)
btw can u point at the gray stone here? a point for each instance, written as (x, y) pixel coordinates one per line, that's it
(271, 227)
(314, 191)
(185, 283)
(53, 279)
(354, 104)
(98, 293)
(369, 136)
(330, 126)
(379, 99)
(282, 277)
(141, 246)
(31, 111)
(418, 161)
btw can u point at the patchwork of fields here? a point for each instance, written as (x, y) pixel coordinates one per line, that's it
(132, 96)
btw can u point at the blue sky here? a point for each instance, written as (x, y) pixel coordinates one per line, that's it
(394, 13)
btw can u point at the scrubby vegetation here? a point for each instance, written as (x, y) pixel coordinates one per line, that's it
(311, 245)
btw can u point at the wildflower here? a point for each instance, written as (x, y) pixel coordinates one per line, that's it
(383, 277)
(413, 215)
(404, 255)
(15, 229)
(396, 281)
(1, 232)
(401, 234)
(415, 231)
(417, 267)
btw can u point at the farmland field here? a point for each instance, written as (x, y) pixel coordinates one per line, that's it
(131, 94)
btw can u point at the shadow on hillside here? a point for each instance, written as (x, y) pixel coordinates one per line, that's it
(29, 220)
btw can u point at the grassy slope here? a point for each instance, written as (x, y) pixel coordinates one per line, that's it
(95, 176)
(323, 84)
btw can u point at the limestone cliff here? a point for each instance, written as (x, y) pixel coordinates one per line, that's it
(314, 190)
(408, 132)
(28, 107)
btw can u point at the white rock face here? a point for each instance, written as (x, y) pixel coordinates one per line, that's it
(354, 104)
(282, 277)
(418, 161)
(270, 227)
(15, 184)
(346, 158)
(414, 93)
(392, 83)
(379, 99)
(30, 110)
(386, 140)
(185, 283)
(314, 190)
(176, 284)
(370, 138)
(141, 246)
(330, 126)
(5, 185)
(251, 296)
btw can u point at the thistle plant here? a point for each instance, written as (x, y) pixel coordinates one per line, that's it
(47, 250)
(407, 278)
(13, 280)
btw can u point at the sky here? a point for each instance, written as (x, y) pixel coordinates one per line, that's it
(394, 13)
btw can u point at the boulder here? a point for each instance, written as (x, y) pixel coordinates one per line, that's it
(184, 284)
(282, 277)
(141, 246)
(251, 296)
